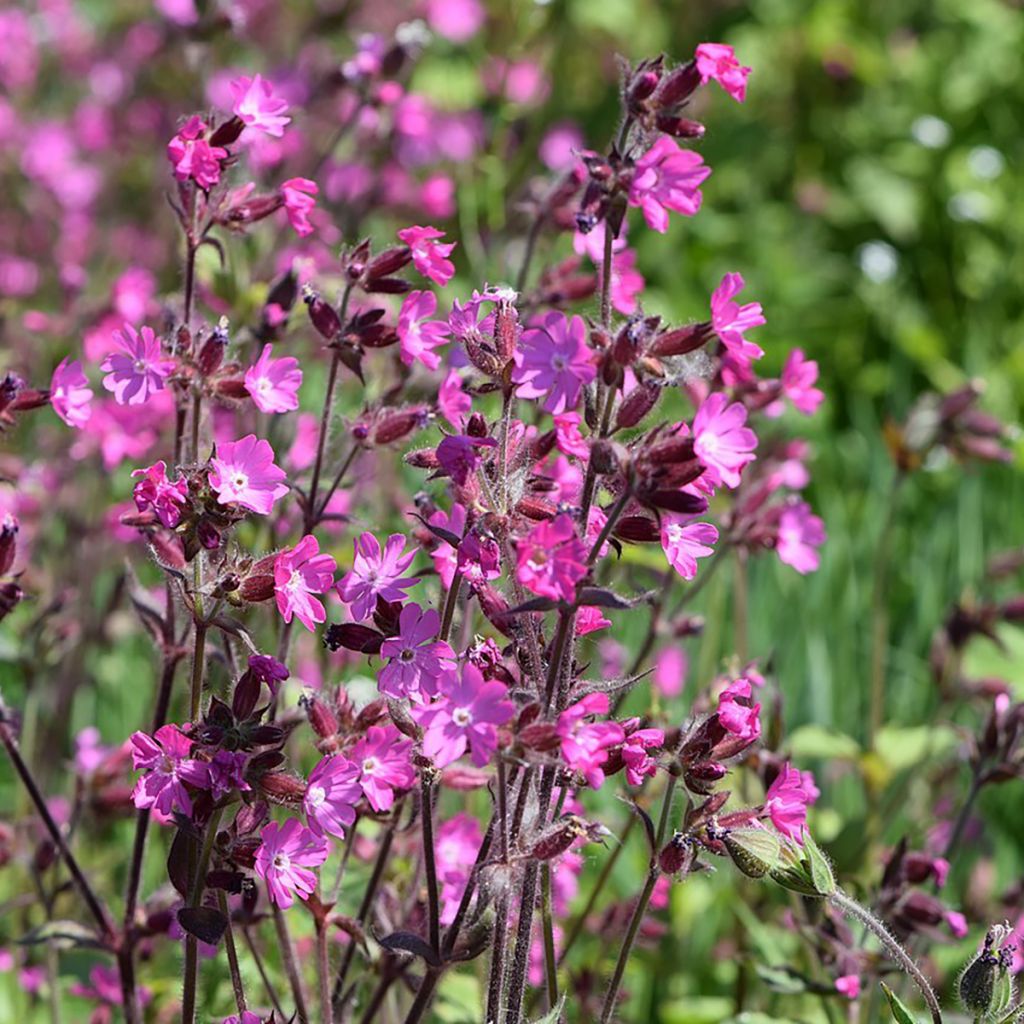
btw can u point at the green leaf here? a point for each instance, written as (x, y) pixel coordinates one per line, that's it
(900, 1013)
(781, 979)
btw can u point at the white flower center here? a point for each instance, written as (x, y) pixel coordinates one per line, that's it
(370, 765)
(282, 862)
(240, 481)
(462, 717)
(315, 796)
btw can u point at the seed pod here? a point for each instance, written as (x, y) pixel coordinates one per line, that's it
(322, 719)
(755, 851)
(257, 587)
(978, 983)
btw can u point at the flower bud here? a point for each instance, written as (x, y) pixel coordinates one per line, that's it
(211, 354)
(677, 855)
(325, 319)
(322, 719)
(396, 424)
(10, 595)
(283, 788)
(8, 536)
(554, 841)
(678, 85)
(389, 262)
(257, 587)
(679, 127)
(642, 86)
(247, 693)
(353, 637)
(637, 404)
(680, 341)
(539, 736)
(227, 132)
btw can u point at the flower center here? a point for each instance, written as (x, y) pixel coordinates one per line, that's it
(240, 481)
(462, 717)
(139, 366)
(282, 862)
(407, 655)
(315, 796)
(370, 765)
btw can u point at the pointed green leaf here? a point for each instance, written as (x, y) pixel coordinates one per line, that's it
(900, 1013)
(554, 1015)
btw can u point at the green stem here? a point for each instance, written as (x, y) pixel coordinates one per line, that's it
(550, 961)
(232, 950)
(450, 602)
(196, 889)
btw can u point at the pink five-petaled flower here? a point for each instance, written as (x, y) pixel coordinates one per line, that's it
(797, 383)
(800, 534)
(467, 714)
(331, 796)
(639, 763)
(429, 256)
(383, 757)
(284, 858)
(257, 106)
(554, 360)
(721, 441)
(70, 394)
(787, 800)
(243, 473)
(299, 573)
(552, 559)
(138, 370)
(154, 491)
(736, 714)
(164, 757)
(298, 194)
(418, 336)
(730, 320)
(273, 384)
(376, 573)
(416, 659)
(718, 61)
(193, 157)
(667, 177)
(585, 745)
(684, 542)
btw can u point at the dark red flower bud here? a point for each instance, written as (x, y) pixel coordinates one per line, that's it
(257, 587)
(208, 534)
(536, 508)
(353, 637)
(680, 341)
(8, 537)
(476, 426)
(211, 354)
(246, 695)
(506, 326)
(637, 404)
(637, 529)
(30, 398)
(396, 424)
(464, 777)
(677, 855)
(608, 457)
(423, 458)
(539, 736)
(231, 387)
(701, 778)
(321, 718)
(679, 127)
(325, 319)
(678, 85)
(283, 788)
(556, 839)
(387, 286)
(642, 86)
(495, 609)
(388, 262)
(227, 132)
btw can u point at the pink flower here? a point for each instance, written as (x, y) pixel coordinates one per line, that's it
(670, 668)
(684, 542)
(457, 454)
(568, 437)
(455, 849)
(456, 20)
(453, 402)
(718, 61)
(730, 320)
(721, 441)
(248, 1017)
(193, 156)
(848, 985)
(154, 491)
(787, 800)
(70, 394)
(331, 796)
(429, 256)
(478, 558)
(552, 559)
(105, 987)
(467, 714)
(797, 381)
(800, 534)
(589, 619)
(257, 107)
(384, 766)
(376, 574)
(298, 198)
(627, 282)
(736, 714)
(243, 473)
(299, 573)
(268, 670)
(138, 370)
(585, 745)
(284, 858)
(639, 763)
(416, 658)
(554, 361)
(227, 773)
(956, 922)
(164, 757)
(417, 335)
(273, 384)
(667, 178)
(446, 558)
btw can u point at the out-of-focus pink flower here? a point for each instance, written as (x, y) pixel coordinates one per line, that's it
(257, 106)
(437, 196)
(554, 361)
(568, 438)
(417, 660)
(585, 745)
(455, 847)
(721, 441)
(446, 558)
(956, 922)
(561, 145)
(552, 559)
(331, 796)
(105, 987)
(248, 1017)
(718, 61)
(590, 619)
(797, 381)
(181, 12)
(299, 573)
(456, 20)
(193, 157)
(730, 320)
(376, 573)
(419, 336)
(165, 759)
(133, 293)
(800, 534)
(70, 394)
(787, 800)
(138, 369)
(243, 473)
(627, 282)
(383, 757)
(429, 256)
(453, 402)
(736, 713)
(273, 384)
(667, 178)
(298, 195)
(670, 669)
(284, 858)
(154, 491)
(466, 715)
(684, 542)
(848, 985)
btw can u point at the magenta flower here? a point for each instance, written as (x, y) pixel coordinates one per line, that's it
(455, 850)
(467, 714)
(243, 473)
(70, 394)
(138, 370)
(787, 800)
(376, 574)
(284, 858)
(456, 20)
(417, 335)
(193, 157)
(429, 256)
(257, 107)
(154, 491)
(331, 796)
(555, 361)
(478, 559)
(667, 178)
(164, 757)
(383, 757)
(684, 542)
(798, 378)
(552, 559)
(105, 987)
(736, 713)
(299, 573)
(416, 659)
(267, 669)
(298, 194)
(730, 320)
(848, 985)
(585, 745)
(589, 619)
(273, 384)
(721, 441)
(800, 534)
(718, 61)
(227, 773)
(458, 455)
(452, 400)
(568, 438)
(636, 753)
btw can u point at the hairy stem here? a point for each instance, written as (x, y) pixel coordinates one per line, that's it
(550, 961)
(196, 889)
(291, 968)
(433, 892)
(323, 974)
(229, 944)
